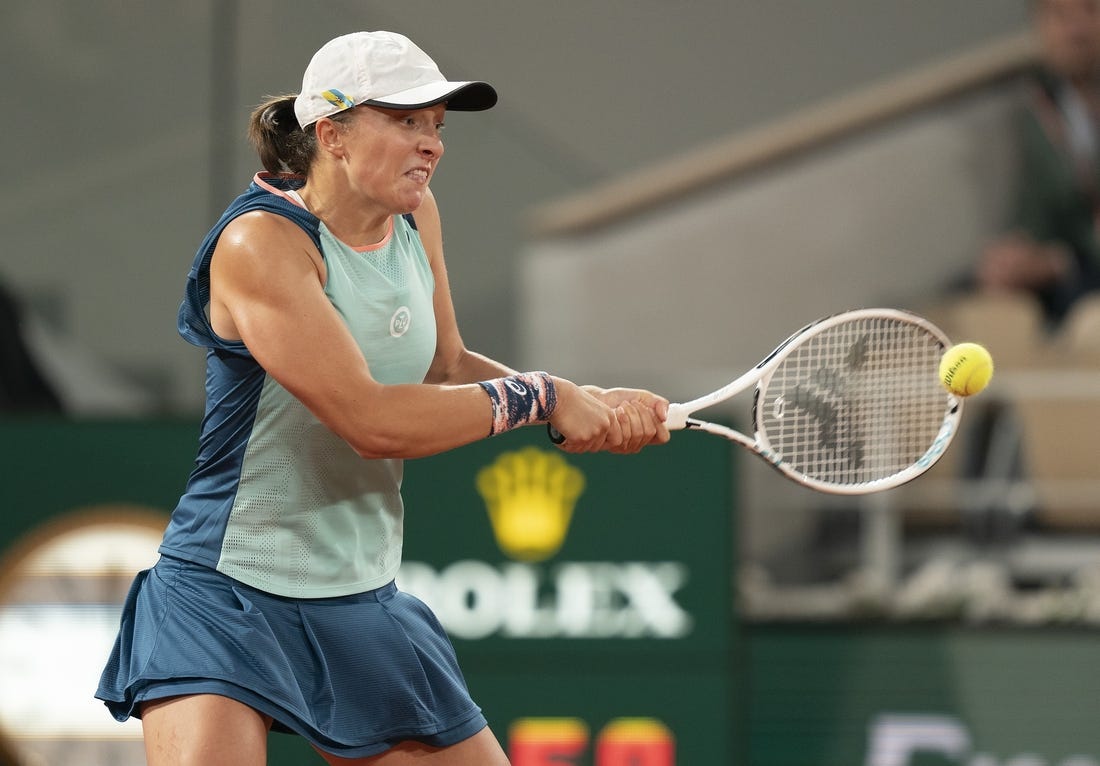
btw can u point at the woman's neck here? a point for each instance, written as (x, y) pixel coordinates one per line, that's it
(344, 215)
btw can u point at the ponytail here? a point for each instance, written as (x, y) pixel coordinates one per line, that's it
(283, 147)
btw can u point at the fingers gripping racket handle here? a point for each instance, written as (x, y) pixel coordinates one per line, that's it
(676, 421)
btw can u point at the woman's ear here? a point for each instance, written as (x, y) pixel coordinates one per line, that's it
(330, 136)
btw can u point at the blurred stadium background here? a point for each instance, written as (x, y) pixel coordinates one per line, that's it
(665, 190)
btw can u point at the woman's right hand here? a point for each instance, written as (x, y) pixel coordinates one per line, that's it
(587, 424)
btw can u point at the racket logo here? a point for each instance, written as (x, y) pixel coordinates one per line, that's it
(858, 353)
(824, 399)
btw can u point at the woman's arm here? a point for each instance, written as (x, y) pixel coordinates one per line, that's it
(266, 290)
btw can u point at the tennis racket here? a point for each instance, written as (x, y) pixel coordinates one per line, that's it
(849, 404)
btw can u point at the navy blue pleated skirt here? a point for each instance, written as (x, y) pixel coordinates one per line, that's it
(355, 675)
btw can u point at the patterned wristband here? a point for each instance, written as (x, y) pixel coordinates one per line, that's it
(520, 400)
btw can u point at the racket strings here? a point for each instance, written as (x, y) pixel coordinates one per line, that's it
(855, 403)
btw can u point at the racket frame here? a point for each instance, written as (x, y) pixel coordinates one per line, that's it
(679, 414)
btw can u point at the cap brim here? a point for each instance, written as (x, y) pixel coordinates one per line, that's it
(474, 96)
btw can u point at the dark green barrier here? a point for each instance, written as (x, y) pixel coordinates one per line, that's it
(903, 696)
(50, 467)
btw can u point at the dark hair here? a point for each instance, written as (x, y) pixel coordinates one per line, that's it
(282, 145)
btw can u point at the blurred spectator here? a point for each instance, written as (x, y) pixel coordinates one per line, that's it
(1053, 248)
(23, 387)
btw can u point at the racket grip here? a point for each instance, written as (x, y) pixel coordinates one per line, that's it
(676, 421)
(677, 417)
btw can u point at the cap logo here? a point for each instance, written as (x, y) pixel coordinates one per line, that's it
(336, 98)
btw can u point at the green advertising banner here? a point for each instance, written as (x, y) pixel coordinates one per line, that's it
(589, 596)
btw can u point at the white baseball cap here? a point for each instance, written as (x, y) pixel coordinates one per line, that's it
(381, 69)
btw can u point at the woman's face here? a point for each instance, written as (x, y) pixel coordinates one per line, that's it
(391, 154)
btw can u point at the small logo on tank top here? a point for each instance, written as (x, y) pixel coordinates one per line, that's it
(399, 322)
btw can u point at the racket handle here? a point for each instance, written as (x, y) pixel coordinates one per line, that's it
(676, 421)
(677, 417)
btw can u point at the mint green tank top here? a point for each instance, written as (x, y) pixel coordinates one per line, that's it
(311, 518)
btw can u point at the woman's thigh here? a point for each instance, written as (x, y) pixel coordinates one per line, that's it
(204, 730)
(482, 749)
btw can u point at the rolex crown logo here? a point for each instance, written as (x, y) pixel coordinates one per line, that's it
(530, 496)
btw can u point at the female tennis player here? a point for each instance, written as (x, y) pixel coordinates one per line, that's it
(322, 301)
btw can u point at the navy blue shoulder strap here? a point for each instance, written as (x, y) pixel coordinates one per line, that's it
(192, 320)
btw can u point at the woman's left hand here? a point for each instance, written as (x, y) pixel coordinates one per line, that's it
(641, 416)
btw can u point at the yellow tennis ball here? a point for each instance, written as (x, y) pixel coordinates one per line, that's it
(966, 369)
